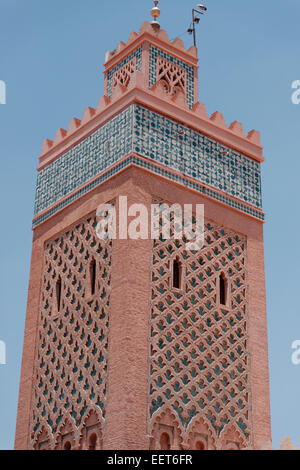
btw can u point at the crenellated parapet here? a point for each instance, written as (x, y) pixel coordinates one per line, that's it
(161, 67)
(216, 121)
(161, 36)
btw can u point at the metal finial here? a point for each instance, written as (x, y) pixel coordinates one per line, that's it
(155, 12)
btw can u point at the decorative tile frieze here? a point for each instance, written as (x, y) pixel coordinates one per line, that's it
(227, 175)
(195, 155)
(85, 160)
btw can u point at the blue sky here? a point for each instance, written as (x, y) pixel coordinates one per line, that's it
(51, 58)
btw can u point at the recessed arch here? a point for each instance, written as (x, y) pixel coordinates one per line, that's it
(165, 441)
(93, 441)
(200, 445)
(66, 435)
(201, 435)
(44, 439)
(91, 435)
(166, 431)
(67, 445)
(232, 439)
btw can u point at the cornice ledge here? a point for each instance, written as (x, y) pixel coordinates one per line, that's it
(196, 118)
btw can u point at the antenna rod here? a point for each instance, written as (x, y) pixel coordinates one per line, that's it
(194, 28)
(196, 20)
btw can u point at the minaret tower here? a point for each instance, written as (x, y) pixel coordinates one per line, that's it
(140, 344)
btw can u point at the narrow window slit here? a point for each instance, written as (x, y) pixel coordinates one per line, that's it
(93, 277)
(165, 443)
(223, 290)
(58, 294)
(67, 446)
(177, 274)
(93, 442)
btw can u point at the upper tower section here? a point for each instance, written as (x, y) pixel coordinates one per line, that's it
(159, 65)
(149, 115)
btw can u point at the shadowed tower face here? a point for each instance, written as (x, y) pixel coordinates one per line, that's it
(142, 344)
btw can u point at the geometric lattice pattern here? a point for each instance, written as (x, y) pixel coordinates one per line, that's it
(155, 56)
(199, 364)
(172, 77)
(71, 359)
(122, 77)
(137, 55)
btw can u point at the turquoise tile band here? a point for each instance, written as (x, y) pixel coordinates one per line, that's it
(162, 141)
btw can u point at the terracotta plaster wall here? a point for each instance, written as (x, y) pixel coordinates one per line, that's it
(127, 402)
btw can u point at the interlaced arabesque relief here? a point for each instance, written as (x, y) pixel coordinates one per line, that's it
(172, 77)
(123, 76)
(199, 363)
(70, 379)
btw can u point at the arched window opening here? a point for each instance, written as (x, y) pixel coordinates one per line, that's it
(200, 446)
(67, 446)
(93, 276)
(93, 442)
(177, 270)
(165, 443)
(223, 290)
(58, 294)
